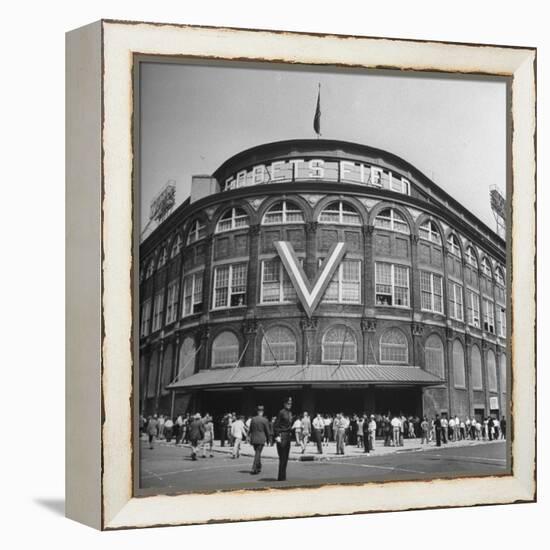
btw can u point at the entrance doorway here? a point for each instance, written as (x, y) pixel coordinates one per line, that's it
(403, 401)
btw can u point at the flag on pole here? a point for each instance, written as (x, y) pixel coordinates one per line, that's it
(317, 117)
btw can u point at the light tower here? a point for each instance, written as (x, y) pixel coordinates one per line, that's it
(161, 205)
(498, 206)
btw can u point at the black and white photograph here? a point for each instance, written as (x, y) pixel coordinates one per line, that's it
(322, 293)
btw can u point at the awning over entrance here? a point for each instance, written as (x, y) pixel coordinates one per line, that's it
(320, 375)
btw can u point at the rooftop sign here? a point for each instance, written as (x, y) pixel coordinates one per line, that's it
(344, 171)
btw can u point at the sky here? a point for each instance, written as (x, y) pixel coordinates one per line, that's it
(194, 117)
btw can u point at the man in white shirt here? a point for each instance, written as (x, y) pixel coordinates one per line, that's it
(238, 433)
(372, 432)
(452, 434)
(496, 427)
(396, 427)
(328, 428)
(318, 430)
(444, 429)
(297, 427)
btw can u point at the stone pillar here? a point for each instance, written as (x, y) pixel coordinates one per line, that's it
(485, 375)
(145, 382)
(414, 289)
(417, 358)
(203, 355)
(368, 327)
(208, 277)
(448, 371)
(468, 368)
(253, 267)
(498, 353)
(368, 275)
(252, 356)
(310, 264)
(159, 377)
(175, 371)
(311, 353)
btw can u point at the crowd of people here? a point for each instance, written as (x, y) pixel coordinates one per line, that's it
(364, 431)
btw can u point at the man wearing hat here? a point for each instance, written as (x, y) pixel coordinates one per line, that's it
(196, 434)
(281, 429)
(259, 435)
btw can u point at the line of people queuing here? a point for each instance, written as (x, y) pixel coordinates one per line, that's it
(358, 430)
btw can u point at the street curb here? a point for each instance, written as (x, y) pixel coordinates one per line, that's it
(326, 458)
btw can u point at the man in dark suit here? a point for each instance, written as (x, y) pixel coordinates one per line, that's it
(437, 425)
(259, 435)
(282, 431)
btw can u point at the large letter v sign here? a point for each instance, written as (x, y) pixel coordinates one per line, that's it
(310, 293)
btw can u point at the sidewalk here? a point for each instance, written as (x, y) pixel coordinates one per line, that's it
(329, 452)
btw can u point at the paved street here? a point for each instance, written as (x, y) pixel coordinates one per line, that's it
(169, 467)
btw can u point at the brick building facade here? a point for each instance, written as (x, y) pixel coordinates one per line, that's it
(413, 318)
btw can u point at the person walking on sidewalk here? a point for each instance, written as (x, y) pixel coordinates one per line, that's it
(503, 427)
(238, 433)
(438, 429)
(365, 434)
(319, 432)
(306, 431)
(340, 425)
(372, 433)
(360, 430)
(196, 434)
(282, 431)
(444, 429)
(208, 439)
(297, 429)
(396, 429)
(424, 427)
(152, 428)
(259, 435)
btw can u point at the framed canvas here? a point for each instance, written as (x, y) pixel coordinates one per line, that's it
(300, 274)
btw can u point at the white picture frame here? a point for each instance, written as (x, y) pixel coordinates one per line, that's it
(100, 270)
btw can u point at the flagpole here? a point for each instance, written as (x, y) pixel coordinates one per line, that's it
(319, 96)
(317, 117)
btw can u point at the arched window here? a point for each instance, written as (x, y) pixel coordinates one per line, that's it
(477, 377)
(454, 247)
(176, 247)
(429, 232)
(163, 257)
(491, 370)
(283, 212)
(197, 232)
(278, 346)
(486, 268)
(150, 269)
(391, 220)
(339, 344)
(340, 213)
(233, 218)
(188, 358)
(394, 347)
(471, 258)
(225, 350)
(435, 356)
(459, 373)
(499, 276)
